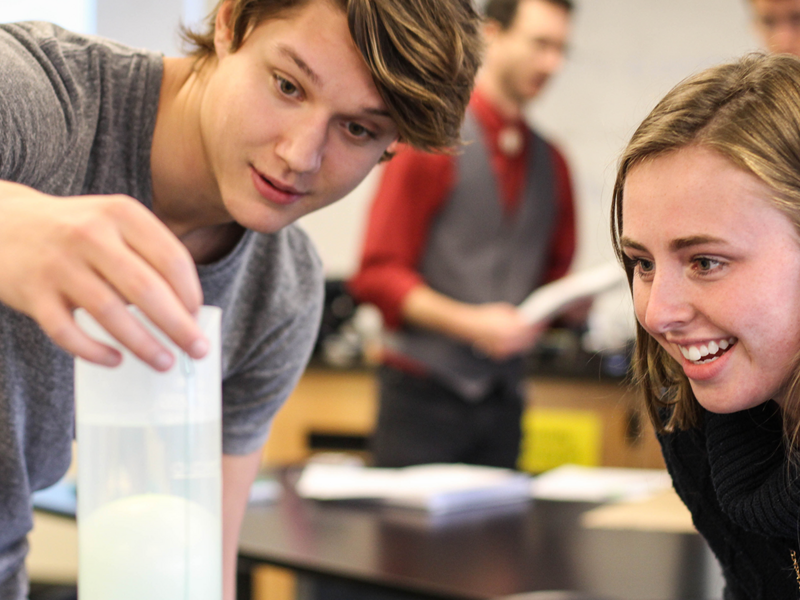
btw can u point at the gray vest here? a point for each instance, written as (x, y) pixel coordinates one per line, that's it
(478, 253)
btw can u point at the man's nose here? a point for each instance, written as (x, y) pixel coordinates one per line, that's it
(553, 59)
(302, 145)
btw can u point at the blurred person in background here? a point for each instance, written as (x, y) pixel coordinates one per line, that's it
(455, 241)
(777, 23)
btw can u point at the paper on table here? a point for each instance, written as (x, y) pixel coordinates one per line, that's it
(436, 488)
(548, 300)
(599, 484)
(662, 512)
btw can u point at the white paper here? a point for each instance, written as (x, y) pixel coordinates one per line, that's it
(599, 484)
(436, 488)
(548, 300)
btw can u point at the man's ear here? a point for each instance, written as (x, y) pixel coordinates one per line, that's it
(491, 29)
(223, 29)
(390, 151)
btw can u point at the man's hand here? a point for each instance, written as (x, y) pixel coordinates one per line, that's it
(496, 329)
(499, 331)
(99, 253)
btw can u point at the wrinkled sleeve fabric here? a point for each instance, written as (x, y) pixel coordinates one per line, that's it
(36, 109)
(413, 187)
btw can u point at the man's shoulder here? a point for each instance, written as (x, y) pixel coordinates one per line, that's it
(545, 139)
(45, 35)
(51, 53)
(553, 148)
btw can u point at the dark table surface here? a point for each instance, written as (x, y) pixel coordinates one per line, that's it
(527, 547)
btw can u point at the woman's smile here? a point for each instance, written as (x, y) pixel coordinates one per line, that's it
(706, 352)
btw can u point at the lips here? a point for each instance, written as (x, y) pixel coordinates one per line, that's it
(273, 190)
(700, 354)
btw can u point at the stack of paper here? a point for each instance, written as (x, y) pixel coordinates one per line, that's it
(599, 484)
(436, 488)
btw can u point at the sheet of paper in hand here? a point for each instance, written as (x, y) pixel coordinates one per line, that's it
(549, 300)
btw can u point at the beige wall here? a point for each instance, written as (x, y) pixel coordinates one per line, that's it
(625, 55)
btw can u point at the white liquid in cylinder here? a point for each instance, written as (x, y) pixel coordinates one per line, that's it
(151, 546)
(147, 521)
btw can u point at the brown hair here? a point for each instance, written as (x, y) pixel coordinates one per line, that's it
(504, 11)
(423, 56)
(749, 112)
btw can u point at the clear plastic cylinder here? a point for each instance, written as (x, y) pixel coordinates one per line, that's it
(149, 472)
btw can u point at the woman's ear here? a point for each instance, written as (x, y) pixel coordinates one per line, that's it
(223, 29)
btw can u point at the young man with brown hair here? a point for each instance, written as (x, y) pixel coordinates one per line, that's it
(455, 242)
(130, 178)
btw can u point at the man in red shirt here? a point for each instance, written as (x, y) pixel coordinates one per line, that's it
(455, 242)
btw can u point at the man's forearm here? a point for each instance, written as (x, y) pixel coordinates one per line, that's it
(238, 473)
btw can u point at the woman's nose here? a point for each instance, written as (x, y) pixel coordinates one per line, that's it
(667, 304)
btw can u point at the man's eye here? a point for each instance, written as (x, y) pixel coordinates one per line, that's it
(359, 131)
(768, 22)
(286, 86)
(643, 265)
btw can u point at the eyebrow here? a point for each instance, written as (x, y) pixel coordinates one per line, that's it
(303, 65)
(677, 244)
(289, 53)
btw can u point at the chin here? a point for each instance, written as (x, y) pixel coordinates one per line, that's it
(724, 404)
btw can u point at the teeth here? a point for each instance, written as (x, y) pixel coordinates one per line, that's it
(701, 353)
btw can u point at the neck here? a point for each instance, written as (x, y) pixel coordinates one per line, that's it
(185, 193)
(509, 107)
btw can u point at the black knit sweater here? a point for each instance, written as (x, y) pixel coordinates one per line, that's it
(732, 474)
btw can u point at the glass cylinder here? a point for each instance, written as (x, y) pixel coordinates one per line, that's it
(149, 472)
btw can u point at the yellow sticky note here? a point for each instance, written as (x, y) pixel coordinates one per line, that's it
(554, 437)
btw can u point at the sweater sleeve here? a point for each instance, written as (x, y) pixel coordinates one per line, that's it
(755, 484)
(562, 249)
(413, 187)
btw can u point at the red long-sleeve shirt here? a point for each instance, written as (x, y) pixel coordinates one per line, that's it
(414, 186)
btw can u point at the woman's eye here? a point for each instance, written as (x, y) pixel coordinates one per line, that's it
(706, 264)
(641, 267)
